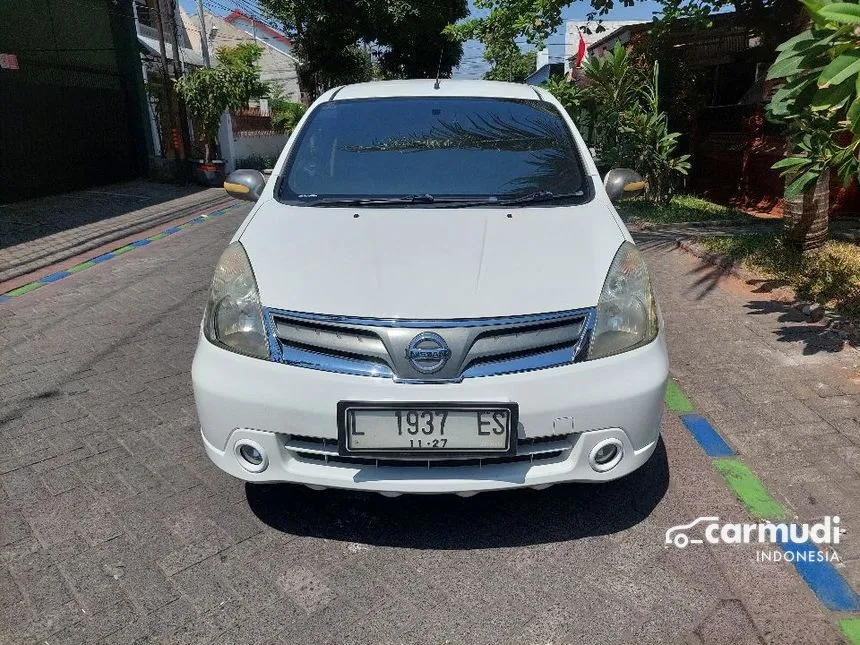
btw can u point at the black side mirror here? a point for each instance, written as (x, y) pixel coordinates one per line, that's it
(245, 184)
(621, 183)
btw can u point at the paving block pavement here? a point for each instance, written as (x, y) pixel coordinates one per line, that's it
(117, 528)
(783, 391)
(38, 233)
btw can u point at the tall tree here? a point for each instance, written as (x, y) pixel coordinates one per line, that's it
(328, 36)
(515, 68)
(325, 35)
(410, 33)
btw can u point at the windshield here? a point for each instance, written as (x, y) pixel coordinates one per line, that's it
(433, 150)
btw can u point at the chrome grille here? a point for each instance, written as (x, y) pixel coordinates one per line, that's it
(531, 450)
(476, 347)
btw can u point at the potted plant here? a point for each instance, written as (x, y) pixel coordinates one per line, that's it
(208, 93)
(820, 74)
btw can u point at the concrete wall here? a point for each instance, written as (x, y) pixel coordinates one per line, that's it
(265, 145)
(241, 145)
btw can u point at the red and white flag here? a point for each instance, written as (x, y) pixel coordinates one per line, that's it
(580, 52)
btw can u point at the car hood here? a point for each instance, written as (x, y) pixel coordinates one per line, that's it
(430, 263)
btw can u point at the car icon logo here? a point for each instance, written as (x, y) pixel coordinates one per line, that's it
(677, 534)
(428, 352)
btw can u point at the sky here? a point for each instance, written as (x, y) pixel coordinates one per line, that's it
(472, 65)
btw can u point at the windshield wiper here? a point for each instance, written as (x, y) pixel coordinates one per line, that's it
(461, 202)
(490, 202)
(539, 196)
(371, 201)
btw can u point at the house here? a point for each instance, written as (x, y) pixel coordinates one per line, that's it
(732, 143)
(72, 101)
(544, 69)
(277, 64)
(578, 36)
(152, 24)
(589, 33)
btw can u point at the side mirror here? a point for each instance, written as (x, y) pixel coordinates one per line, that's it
(245, 184)
(620, 183)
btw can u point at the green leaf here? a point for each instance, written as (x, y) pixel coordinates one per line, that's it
(840, 68)
(854, 116)
(831, 98)
(842, 12)
(791, 43)
(814, 8)
(786, 67)
(788, 162)
(800, 184)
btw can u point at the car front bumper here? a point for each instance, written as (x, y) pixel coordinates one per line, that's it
(242, 399)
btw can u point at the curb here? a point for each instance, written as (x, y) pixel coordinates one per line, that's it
(202, 216)
(832, 321)
(646, 225)
(57, 256)
(731, 267)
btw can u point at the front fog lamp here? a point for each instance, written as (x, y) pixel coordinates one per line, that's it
(234, 316)
(626, 311)
(250, 454)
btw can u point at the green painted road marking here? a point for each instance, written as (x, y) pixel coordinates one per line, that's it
(851, 628)
(750, 490)
(676, 400)
(81, 266)
(58, 275)
(27, 288)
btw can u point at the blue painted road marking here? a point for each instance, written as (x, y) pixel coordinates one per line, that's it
(54, 277)
(822, 577)
(709, 439)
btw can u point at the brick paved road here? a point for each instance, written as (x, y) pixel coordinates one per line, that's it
(116, 528)
(37, 233)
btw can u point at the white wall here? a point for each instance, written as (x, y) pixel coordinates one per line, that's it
(264, 145)
(241, 146)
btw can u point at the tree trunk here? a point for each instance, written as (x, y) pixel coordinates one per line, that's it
(806, 215)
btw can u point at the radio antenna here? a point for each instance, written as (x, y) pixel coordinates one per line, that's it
(438, 71)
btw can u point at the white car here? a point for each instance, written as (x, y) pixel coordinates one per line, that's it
(433, 293)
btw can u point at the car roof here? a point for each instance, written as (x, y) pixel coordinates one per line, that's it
(425, 87)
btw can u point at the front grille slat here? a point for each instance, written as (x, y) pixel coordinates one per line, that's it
(498, 345)
(478, 347)
(337, 341)
(528, 450)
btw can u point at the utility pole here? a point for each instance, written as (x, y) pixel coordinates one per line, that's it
(178, 72)
(204, 35)
(166, 85)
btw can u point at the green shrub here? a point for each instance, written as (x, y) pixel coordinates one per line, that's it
(831, 273)
(618, 109)
(256, 162)
(286, 115)
(681, 208)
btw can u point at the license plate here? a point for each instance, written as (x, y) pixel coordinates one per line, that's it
(422, 429)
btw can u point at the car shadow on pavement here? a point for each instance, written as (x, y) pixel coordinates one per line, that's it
(488, 520)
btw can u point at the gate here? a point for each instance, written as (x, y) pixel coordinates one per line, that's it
(68, 117)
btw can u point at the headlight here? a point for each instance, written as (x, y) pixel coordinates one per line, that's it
(626, 311)
(234, 316)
